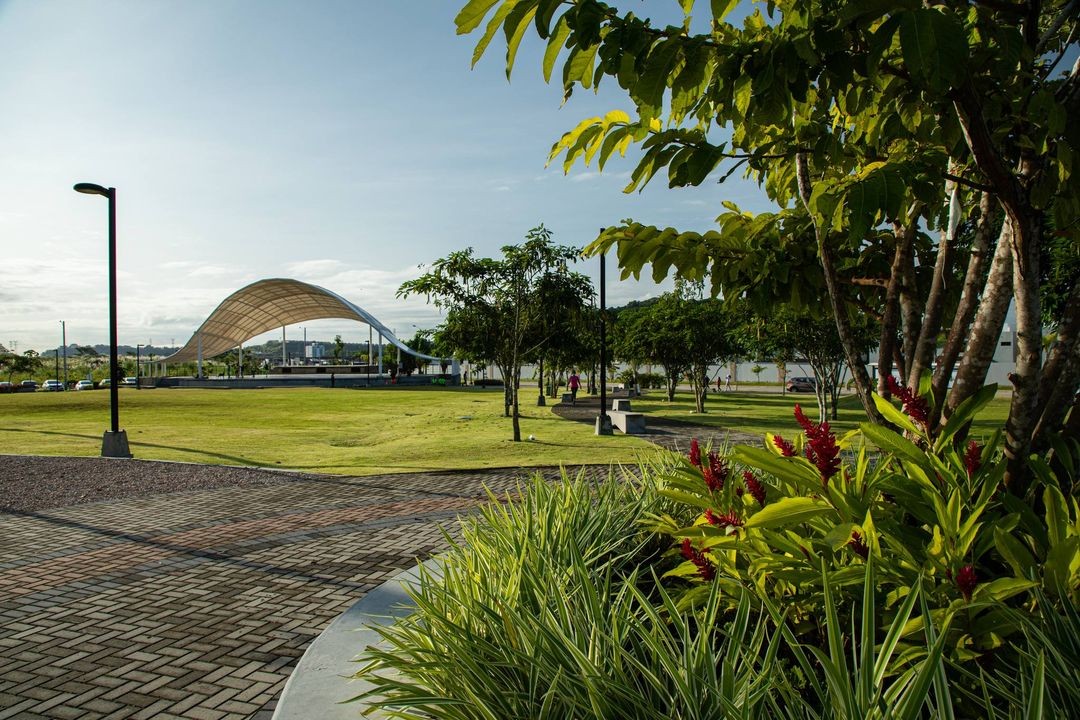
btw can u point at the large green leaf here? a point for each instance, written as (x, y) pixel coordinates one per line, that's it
(788, 511)
(1001, 589)
(964, 413)
(1015, 552)
(892, 442)
(893, 415)
(935, 47)
(470, 16)
(800, 474)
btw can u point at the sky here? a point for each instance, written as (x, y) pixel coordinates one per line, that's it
(342, 143)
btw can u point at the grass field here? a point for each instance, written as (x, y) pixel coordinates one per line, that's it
(356, 432)
(758, 413)
(371, 431)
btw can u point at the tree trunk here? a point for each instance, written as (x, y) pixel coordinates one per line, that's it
(1024, 409)
(1060, 374)
(913, 311)
(974, 281)
(922, 357)
(890, 317)
(986, 328)
(540, 385)
(516, 383)
(832, 283)
(699, 383)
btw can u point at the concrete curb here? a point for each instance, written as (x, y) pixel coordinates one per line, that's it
(321, 681)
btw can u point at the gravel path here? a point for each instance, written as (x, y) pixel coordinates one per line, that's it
(33, 482)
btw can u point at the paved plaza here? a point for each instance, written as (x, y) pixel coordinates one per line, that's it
(198, 603)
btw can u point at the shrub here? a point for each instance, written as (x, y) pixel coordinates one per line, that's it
(546, 609)
(931, 512)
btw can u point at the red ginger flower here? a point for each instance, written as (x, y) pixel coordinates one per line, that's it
(705, 568)
(966, 580)
(914, 406)
(728, 519)
(786, 449)
(754, 487)
(973, 458)
(715, 473)
(858, 545)
(821, 447)
(695, 453)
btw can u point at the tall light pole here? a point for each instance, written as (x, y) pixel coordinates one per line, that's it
(114, 443)
(603, 420)
(63, 344)
(138, 362)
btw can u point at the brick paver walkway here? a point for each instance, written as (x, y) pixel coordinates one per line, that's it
(198, 604)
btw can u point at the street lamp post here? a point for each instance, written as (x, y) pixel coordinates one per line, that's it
(603, 420)
(63, 344)
(114, 443)
(138, 362)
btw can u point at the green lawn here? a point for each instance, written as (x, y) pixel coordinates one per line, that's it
(356, 432)
(364, 432)
(758, 413)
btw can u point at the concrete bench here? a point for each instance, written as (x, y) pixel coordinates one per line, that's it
(631, 423)
(568, 398)
(620, 405)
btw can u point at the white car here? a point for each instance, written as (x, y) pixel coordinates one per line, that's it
(84, 385)
(52, 385)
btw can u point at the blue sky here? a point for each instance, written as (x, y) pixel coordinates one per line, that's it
(343, 143)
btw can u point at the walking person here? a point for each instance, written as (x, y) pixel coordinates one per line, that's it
(573, 382)
(727, 383)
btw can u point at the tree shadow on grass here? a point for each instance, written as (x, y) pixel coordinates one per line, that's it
(235, 459)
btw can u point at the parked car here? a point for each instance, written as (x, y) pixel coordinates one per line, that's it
(84, 385)
(28, 385)
(104, 383)
(128, 381)
(53, 386)
(802, 384)
(6, 387)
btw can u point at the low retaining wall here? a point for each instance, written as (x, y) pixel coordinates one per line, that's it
(319, 684)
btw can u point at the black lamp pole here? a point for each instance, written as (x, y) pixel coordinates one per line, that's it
(603, 420)
(114, 443)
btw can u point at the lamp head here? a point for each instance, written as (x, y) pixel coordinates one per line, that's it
(92, 189)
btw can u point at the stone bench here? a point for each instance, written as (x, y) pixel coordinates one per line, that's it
(631, 423)
(568, 398)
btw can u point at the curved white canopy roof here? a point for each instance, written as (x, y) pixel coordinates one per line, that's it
(269, 304)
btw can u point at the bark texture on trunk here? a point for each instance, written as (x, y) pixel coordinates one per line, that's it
(912, 307)
(1023, 411)
(890, 317)
(1060, 374)
(974, 281)
(986, 328)
(922, 357)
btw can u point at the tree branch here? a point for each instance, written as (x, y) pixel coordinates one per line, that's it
(968, 183)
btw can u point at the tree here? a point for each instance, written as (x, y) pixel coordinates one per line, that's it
(680, 331)
(757, 370)
(491, 305)
(877, 118)
(26, 364)
(339, 348)
(422, 343)
(790, 334)
(561, 299)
